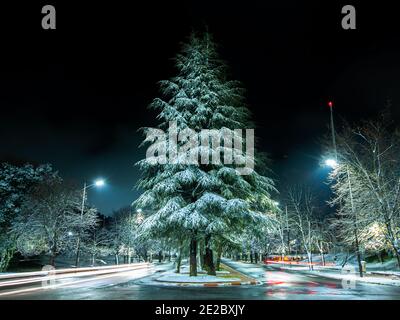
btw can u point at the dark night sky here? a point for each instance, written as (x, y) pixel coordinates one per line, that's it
(75, 97)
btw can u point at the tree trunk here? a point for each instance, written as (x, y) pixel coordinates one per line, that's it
(398, 258)
(393, 240)
(78, 251)
(256, 257)
(179, 260)
(323, 258)
(309, 257)
(251, 257)
(208, 257)
(52, 260)
(193, 257)
(396, 252)
(116, 259)
(53, 252)
(219, 255)
(201, 254)
(160, 256)
(5, 258)
(380, 257)
(358, 255)
(345, 259)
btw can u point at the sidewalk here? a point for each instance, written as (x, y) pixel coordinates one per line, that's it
(337, 272)
(334, 272)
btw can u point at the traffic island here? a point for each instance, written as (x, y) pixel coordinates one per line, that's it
(226, 277)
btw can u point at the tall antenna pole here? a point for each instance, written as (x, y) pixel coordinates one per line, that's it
(330, 105)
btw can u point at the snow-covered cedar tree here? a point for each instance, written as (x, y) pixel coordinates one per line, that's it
(15, 183)
(199, 201)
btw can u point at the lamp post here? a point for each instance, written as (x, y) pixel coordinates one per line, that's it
(98, 183)
(334, 163)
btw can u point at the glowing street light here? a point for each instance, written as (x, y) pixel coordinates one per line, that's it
(97, 183)
(331, 163)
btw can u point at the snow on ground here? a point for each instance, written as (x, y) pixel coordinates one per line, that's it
(339, 259)
(338, 273)
(335, 272)
(256, 271)
(185, 278)
(202, 277)
(367, 278)
(397, 274)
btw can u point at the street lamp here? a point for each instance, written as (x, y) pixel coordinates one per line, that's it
(331, 163)
(97, 183)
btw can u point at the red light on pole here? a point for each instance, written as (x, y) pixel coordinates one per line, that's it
(330, 104)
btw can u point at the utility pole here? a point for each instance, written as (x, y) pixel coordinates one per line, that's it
(355, 223)
(354, 213)
(97, 183)
(78, 244)
(287, 230)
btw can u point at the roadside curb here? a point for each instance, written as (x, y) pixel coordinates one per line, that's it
(217, 284)
(244, 282)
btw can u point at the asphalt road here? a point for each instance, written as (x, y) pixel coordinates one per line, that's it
(277, 285)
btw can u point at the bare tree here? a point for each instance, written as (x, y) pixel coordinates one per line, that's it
(49, 215)
(301, 206)
(323, 236)
(98, 244)
(366, 181)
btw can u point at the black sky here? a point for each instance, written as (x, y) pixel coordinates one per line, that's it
(75, 97)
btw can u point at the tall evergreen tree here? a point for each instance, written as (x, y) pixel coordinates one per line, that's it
(191, 200)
